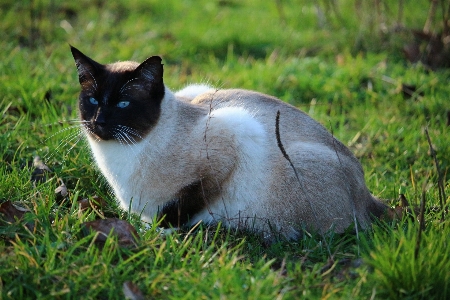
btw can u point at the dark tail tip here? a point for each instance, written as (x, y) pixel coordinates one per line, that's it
(378, 209)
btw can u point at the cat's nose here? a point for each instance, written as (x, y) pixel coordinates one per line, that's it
(100, 122)
(100, 119)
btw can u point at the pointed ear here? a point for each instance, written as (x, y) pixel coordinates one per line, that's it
(151, 70)
(87, 67)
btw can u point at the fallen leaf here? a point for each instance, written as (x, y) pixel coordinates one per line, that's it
(403, 201)
(400, 210)
(10, 213)
(432, 49)
(61, 191)
(132, 291)
(412, 52)
(124, 231)
(86, 203)
(40, 170)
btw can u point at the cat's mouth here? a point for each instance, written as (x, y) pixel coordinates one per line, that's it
(100, 132)
(121, 133)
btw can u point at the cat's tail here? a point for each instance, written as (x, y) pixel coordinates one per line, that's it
(378, 209)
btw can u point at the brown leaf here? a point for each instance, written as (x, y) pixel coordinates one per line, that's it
(125, 232)
(86, 203)
(412, 52)
(430, 48)
(10, 213)
(394, 213)
(403, 201)
(132, 291)
(400, 210)
(61, 191)
(40, 170)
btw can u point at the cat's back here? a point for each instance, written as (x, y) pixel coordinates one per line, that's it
(294, 124)
(250, 100)
(259, 105)
(330, 176)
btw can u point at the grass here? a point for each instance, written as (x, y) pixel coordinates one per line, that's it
(341, 72)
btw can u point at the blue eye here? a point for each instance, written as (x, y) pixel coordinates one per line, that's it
(123, 104)
(93, 101)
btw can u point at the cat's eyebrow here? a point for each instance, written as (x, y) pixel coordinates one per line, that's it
(125, 85)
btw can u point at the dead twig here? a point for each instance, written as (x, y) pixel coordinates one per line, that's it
(445, 15)
(431, 15)
(334, 146)
(441, 189)
(400, 12)
(280, 145)
(286, 156)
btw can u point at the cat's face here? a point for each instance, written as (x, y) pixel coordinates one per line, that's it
(119, 101)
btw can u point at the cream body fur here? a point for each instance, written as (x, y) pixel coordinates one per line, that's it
(210, 155)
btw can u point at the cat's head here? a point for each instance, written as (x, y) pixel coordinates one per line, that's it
(119, 101)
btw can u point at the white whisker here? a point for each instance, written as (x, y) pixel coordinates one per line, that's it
(62, 131)
(63, 122)
(130, 87)
(65, 142)
(130, 131)
(125, 139)
(80, 137)
(76, 121)
(129, 138)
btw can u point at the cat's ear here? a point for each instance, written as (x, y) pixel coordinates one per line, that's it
(151, 70)
(87, 67)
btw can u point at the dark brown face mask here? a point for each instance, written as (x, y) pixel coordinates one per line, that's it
(119, 101)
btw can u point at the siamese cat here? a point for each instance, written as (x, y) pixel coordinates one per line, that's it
(238, 157)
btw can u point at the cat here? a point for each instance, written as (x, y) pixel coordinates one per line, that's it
(234, 156)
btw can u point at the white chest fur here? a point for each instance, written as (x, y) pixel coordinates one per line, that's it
(117, 162)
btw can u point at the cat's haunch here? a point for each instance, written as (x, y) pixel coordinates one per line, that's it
(203, 154)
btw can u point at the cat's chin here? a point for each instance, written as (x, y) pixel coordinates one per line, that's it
(99, 133)
(125, 135)
(101, 136)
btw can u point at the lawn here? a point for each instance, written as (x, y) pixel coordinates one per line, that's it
(342, 64)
